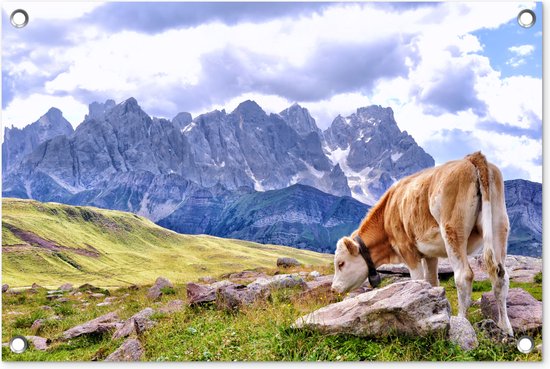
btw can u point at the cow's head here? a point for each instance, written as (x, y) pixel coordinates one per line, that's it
(350, 269)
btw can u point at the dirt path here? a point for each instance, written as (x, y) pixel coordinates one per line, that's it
(34, 240)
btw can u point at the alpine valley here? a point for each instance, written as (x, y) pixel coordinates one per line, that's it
(268, 178)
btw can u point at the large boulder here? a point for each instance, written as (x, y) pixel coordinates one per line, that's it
(287, 262)
(136, 324)
(234, 296)
(462, 333)
(203, 293)
(5, 287)
(101, 324)
(411, 308)
(130, 350)
(524, 311)
(156, 290)
(279, 281)
(66, 287)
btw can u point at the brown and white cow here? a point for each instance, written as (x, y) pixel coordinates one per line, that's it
(447, 211)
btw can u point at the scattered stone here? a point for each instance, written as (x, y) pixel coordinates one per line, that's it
(133, 287)
(320, 282)
(444, 269)
(15, 313)
(39, 343)
(246, 276)
(287, 262)
(234, 296)
(5, 287)
(101, 324)
(462, 333)
(315, 274)
(97, 295)
(172, 307)
(201, 293)
(137, 323)
(490, 328)
(412, 308)
(62, 299)
(35, 288)
(279, 281)
(524, 311)
(66, 287)
(130, 350)
(207, 279)
(13, 292)
(104, 303)
(156, 290)
(36, 325)
(46, 307)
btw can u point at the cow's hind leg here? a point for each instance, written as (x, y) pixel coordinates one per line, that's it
(430, 271)
(456, 252)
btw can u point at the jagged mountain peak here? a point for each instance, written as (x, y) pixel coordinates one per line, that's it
(299, 119)
(98, 110)
(249, 108)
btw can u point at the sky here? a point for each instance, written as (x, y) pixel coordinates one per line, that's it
(460, 77)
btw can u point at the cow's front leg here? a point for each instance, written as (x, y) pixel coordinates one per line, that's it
(416, 270)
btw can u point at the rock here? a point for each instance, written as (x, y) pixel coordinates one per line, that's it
(133, 287)
(39, 343)
(15, 313)
(538, 348)
(156, 290)
(412, 308)
(320, 282)
(104, 303)
(172, 307)
(66, 287)
(137, 323)
(524, 311)
(234, 296)
(246, 275)
(200, 293)
(110, 299)
(76, 293)
(314, 274)
(62, 299)
(5, 287)
(520, 268)
(287, 262)
(462, 333)
(46, 307)
(97, 295)
(492, 330)
(444, 268)
(279, 281)
(207, 279)
(130, 350)
(100, 324)
(36, 325)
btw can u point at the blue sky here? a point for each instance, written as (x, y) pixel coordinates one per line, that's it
(460, 77)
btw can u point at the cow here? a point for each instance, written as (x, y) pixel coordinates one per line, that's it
(446, 211)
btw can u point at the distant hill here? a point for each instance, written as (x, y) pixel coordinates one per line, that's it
(50, 244)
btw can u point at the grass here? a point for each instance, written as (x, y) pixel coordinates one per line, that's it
(132, 249)
(260, 332)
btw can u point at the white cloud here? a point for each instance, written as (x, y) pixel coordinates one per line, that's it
(18, 113)
(522, 50)
(52, 10)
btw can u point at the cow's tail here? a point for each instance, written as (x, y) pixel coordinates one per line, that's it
(490, 256)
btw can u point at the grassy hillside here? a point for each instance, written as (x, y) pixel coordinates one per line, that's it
(50, 243)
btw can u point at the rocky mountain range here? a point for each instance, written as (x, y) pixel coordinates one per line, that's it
(272, 178)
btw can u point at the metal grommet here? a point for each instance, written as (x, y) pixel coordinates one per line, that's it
(527, 18)
(19, 18)
(18, 344)
(525, 344)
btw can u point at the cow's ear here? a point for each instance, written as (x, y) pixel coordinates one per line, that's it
(351, 246)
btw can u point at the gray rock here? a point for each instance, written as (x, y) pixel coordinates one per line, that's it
(39, 343)
(524, 311)
(287, 262)
(172, 307)
(320, 282)
(62, 299)
(201, 293)
(97, 295)
(5, 287)
(36, 325)
(104, 303)
(130, 350)
(100, 324)
(207, 279)
(66, 287)
(136, 324)
(234, 296)
(411, 308)
(444, 268)
(462, 333)
(314, 274)
(278, 281)
(491, 330)
(156, 290)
